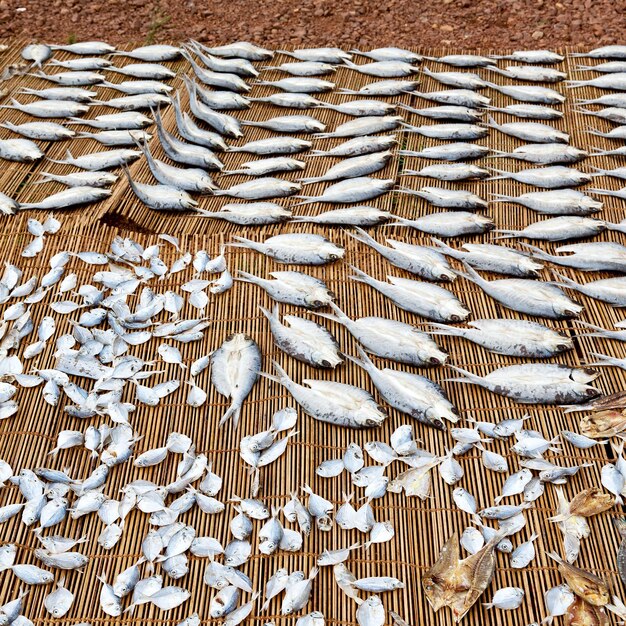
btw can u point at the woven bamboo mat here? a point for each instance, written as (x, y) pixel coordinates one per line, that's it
(421, 527)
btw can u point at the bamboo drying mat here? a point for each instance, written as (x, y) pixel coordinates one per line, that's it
(421, 527)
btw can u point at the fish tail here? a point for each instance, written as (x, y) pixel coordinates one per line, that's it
(246, 277)
(604, 360)
(360, 276)
(564, 280)
(507, 234)
(501, 197)
(271, 315)
(472, 275)
(468, 376)
(232, 411)
(312, 180)
(444, 329)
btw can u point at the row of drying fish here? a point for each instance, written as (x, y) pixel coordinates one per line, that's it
(204, 105)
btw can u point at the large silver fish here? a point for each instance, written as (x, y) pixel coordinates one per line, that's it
(536, 383)
(333, 402)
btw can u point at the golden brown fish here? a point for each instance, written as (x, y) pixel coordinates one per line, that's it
(585, 585)
(458, 584)
(591, 502)
(581, 613)
(603, 424)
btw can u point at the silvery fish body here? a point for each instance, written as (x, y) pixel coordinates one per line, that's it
(263, 167)
(458, 151)
(359, 146)
(162, 197)
(293, 288)
(493, 258)
(552, 177)
(77, 94)
(449, 132)
(352, 190)
(531, 73)
(49, 108)
(412, 394)
(251, 214)
(303, 339)
(534, 94)
(531, 56)
(591, 256)
(332, 402)
(146, 71)
(300, 84)
(362, 108)
(290, 100)
(151, 53)
(454, 172)
(363, 216)
(615, 82)
(450, 112)
(609, 290)
(37, 53)
(558, 229)
(303, 68)
(529, 111)
(449, 223)
(74, 196)
(456, 97)
(384, 88)
(463, 60)
(275, 145)
(389, 54)
(429, 301)
(235, 367)
(545, 153)
(461, 80)
(519, 338)
(21, 150)
(527, 296)
(241, 50)
(289, 124)
(43, 131)
(82, 179)
(448, 198)
(557, 202)
(97, 161)
(420, 260)
(296, 248)
(537, 383)
(72, 79)
(534, 132)
(353, 167)
(384, 69)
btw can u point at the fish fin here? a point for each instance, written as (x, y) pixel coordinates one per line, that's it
(500, 197)
(620, 524)
(234, 412)
(469, 377)
(444, 329)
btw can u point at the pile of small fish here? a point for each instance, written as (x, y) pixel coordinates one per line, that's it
(119, 309)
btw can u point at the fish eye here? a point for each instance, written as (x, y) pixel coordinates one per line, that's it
(326, 363)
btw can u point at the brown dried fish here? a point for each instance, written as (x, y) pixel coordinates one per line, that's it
(581, 613)
(438, 579)
(603, 424)
(585, 585)
(590, 502)
(611, 401)
(458, 584)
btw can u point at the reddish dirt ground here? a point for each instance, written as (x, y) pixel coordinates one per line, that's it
(345, 23)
